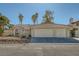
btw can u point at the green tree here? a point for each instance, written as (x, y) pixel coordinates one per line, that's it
(48, 17)
(1, 31)
(3, 22)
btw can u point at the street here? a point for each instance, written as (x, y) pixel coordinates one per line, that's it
(40, 49)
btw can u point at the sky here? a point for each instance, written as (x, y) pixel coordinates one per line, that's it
(62, 11)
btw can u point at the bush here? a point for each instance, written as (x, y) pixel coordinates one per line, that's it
(1, 31)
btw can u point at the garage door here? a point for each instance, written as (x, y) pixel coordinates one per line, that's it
(43, 33)
(60, 33)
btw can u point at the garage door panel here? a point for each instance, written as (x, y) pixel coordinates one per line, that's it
(43, 33)
(60, 33)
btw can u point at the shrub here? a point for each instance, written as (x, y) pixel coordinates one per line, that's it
(1, 31)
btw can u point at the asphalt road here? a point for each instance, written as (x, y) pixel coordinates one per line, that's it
(40, 49)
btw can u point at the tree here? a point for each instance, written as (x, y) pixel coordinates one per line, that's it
(34, 17)
(1, 31)
(21, 18)
(71, 20)
(3, 22)
(48, 17)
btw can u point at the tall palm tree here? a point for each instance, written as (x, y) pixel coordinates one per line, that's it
(71, 20)
(21, 20)
(34, 17)
(3, 22)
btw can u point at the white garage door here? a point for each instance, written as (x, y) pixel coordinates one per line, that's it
(43, 33)
(60, 33)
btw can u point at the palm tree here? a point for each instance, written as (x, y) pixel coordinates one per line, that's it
(21, 20)
(34, 17)
(71, 20)
(3, 22)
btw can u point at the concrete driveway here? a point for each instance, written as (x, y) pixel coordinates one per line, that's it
(40, 49)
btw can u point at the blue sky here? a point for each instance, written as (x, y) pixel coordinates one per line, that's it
(62, 12)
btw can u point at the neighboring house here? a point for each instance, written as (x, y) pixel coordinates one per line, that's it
(75, 30)
(8, 32)
(23, 30)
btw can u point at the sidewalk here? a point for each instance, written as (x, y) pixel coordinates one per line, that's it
(76, 38)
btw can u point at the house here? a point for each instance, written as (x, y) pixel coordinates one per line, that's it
(43, 30)
(50, 30)
(75, 30)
